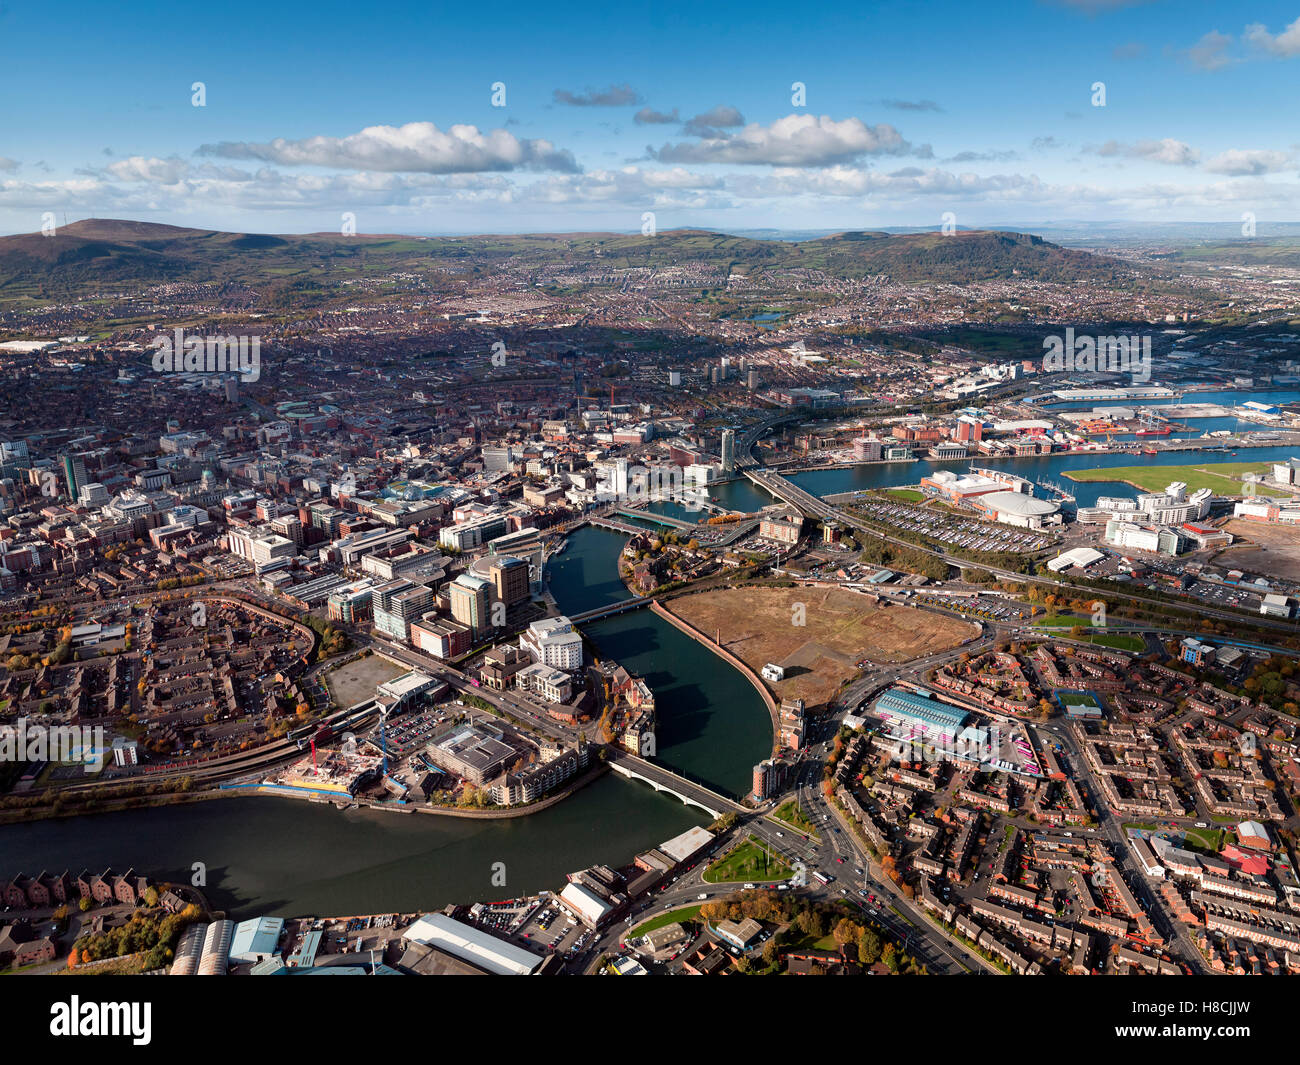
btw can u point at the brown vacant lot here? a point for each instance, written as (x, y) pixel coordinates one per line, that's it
(840, 629)
(1273, 549)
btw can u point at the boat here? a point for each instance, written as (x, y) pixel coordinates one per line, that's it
(1150, 451)
(1154, 432)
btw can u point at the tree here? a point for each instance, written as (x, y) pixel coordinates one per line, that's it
(869, 947)
(846, 931)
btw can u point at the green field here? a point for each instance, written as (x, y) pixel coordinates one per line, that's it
(792, 814)
(686, 913)
(1061, 621)
(1118, 642)
(748, 860)
(1223, 478)
(905, 495)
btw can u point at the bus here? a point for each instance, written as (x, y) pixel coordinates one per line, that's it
(821, 877)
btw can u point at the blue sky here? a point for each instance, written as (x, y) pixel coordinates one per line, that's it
(910, 111)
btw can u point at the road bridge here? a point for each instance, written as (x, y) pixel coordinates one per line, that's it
(635, 768)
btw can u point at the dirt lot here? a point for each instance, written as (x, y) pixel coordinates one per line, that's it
(840, 628)
(1273, 549)
(357, 680)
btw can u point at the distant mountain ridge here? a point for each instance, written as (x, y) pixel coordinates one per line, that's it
(107, 253)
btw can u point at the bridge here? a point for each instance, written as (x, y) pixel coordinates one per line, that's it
(633, 767)
(736, 531)
(790, 493)
(615, 525)
(611, 610)
(660, 519)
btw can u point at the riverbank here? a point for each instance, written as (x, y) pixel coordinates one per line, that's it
(690, 630)
(104, 806)
(487, 813)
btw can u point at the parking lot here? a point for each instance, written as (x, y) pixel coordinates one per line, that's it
(968, 534)
(976, 607)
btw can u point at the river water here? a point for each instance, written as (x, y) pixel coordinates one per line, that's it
(286, 857)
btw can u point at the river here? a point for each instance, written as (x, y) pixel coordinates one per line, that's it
(286, 857)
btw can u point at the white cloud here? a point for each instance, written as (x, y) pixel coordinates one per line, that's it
(1284, 45)
(1238, 161)
(1210, 52)
(796, 140)
(417, 147)
(1168, 150)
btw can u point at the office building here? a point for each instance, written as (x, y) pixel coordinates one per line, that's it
(471, 599)
(74, 474)
(509, 578)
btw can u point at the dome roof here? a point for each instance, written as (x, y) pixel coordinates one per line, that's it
(1018, 503)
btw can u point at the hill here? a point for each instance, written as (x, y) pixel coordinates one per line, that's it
(108, 254)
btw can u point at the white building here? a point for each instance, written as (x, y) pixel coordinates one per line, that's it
(1141, 538)
(552, 684)
(553, 642)
(261, 547)
(472, 945)
(1275, 606)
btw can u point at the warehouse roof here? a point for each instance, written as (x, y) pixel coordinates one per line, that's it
(472, 945)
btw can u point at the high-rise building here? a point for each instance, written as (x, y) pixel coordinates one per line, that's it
(728, 451)
(866, 449)
(397, 604)
(471, 602)
(497, 458)
(767, 779)
(74, 473)
(509, 579)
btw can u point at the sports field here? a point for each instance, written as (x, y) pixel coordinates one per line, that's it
(1222, 478)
